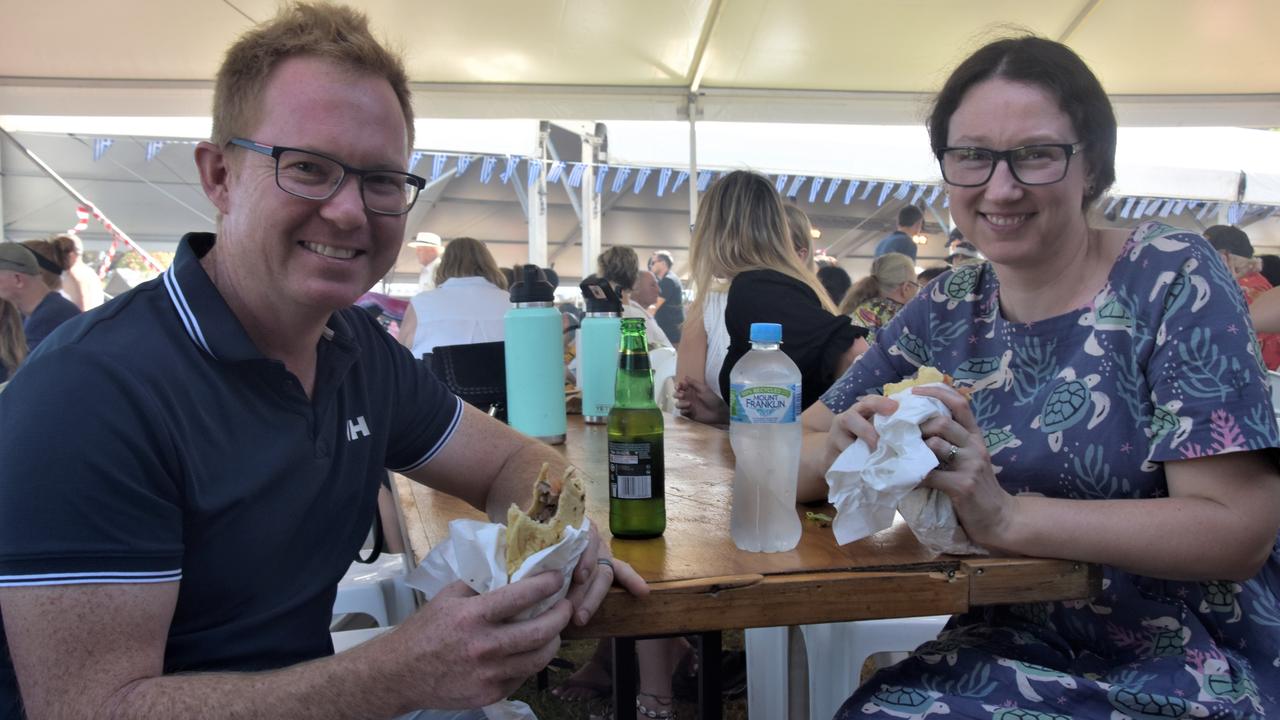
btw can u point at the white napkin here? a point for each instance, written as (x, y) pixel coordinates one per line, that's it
(476, 553)
(867, 487)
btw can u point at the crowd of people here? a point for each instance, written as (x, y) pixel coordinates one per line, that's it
(1110, 406)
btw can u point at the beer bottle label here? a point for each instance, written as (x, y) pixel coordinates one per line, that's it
(631, 470)
(762, 404)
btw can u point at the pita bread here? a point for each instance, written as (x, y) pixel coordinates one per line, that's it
(551, 511)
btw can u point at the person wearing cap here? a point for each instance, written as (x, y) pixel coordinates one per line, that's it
(961, 251)
(236, 418)
(902, 240)
(427, 246)
(1236, 251)
(21, 283)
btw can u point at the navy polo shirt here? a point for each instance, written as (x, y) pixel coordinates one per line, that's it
(193, 458)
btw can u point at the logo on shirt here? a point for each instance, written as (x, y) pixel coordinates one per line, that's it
(357, 428)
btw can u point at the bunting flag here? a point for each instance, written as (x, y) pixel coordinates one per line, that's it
(933, 194)
(1235, 213)
(535, 169)
(780, 182)
(1179, 206)
(1141, 208)
(1204, 210)
(796, 184)
(1128, 206)
(414, 157)
(437, 165)
(680, 178)
(903, 189)
(512, 164)
(602, 171)
(848, 194)
(831, 189)
(1166, 208)
(620, 179)
(885, 189)
(557, 169)
(100, 146)
(486, 169)
(814, 188)
(464, 162)
(664, 177)
(704, 180)
(866, 192)
(919, 194)
(153, 149)
(1111, 205)
(575, 175)
(82, 220)
(641, 178)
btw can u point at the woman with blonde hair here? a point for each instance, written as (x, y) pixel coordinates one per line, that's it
(800, 230)
(466, 306)
(79, 282)
(875, 299)
(742, 244)
(13, 342)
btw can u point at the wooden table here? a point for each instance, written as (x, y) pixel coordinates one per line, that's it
(702, 583)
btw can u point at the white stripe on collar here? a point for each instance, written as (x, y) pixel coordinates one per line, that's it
(184, 311)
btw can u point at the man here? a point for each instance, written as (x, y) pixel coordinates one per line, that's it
(961, 251)
(910, 224)
(669, 308)
(236, 416)
(42, 309)
(645, 292)
(428, 246)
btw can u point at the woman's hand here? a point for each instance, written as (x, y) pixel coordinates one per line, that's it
(856, 423)
(965, 474)
(697, 401)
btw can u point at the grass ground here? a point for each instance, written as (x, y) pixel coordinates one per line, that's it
(549, 707)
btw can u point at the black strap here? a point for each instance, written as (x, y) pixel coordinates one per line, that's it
(378, 542)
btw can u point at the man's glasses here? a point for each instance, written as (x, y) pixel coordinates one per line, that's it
(1030, 164)
(313, 176)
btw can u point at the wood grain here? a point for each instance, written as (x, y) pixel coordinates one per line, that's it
(701, 581)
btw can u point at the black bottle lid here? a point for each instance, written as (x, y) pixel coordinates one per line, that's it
(600, 295)
(531, 286)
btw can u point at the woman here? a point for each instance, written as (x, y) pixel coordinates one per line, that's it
(744, 250)
(1117, 418)
(13, 343)
(1236, 251)
(467, 305)
(621, 267)
(79, 282)
(800, 230)
(875, 299)
(44, 307)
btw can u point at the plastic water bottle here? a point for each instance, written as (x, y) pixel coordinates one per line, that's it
(598, 342)
(534, 349)
(764, 430)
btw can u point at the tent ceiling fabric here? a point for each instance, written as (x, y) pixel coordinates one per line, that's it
(1191, 62)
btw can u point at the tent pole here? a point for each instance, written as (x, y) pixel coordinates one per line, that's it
(96, 212)
(693, 160)
(590, 201)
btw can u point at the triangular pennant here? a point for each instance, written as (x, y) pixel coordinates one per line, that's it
(853, 188)
(831, 189)
(664, 177)
(414, 157)
(815, 187)
(486, 168)
(620, 179)
(796, 184)
(641, 178)
(557, 169)
(575, 174)
(681, 177)
(437, 166)
(512, 164)
(885, 189)
(153, 149)
(603, 171)
(100, 146)
(464, 162)
(704, 180)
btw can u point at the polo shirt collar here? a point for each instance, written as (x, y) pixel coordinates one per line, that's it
(206, 316)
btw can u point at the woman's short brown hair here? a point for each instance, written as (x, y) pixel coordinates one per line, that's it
(468, 257)
(619, 265)
(322, 30)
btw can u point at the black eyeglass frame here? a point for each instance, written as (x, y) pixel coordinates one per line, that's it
(275, 151)
(1007, 156)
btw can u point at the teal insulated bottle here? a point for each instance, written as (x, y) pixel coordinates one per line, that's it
(598, 348)
(534, 347)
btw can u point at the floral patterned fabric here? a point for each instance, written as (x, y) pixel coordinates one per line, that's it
(1088, 405)
(875, 314)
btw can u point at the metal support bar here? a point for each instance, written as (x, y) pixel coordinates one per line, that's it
(591, 213)
(538, 202)
(693, 162)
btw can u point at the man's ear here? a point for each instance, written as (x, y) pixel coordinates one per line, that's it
(215, 172)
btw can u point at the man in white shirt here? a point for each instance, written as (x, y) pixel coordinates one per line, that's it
(643, 294)
(428, 246)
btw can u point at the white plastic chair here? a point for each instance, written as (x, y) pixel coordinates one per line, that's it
(663, 362)
(377, 590)
(835, 653)
(347, 639)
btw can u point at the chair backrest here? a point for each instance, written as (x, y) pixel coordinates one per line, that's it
(477, 373)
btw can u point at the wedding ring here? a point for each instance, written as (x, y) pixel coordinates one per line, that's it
(951, 455)
(605, 561)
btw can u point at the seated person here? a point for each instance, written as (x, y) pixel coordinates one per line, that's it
(29, 281)
(467, 305)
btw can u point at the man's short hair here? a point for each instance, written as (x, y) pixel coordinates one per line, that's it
(665, 257)
(909, 215)
(321, 30)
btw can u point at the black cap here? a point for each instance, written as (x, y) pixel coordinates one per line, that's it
(531, 286)
(1228, 239)
(600, 295)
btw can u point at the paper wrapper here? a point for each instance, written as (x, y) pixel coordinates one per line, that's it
(867, 487)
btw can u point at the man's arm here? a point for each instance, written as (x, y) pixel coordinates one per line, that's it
(97, 651)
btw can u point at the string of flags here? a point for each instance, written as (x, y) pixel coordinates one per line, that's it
(82, 223)
(615, 179)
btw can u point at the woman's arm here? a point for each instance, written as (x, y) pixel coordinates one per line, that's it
(408, 327)
(691, 360)
(1265, 312)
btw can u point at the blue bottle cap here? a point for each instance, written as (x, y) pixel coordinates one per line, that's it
(766, 333)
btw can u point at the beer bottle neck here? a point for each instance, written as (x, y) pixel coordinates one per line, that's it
(633, 386)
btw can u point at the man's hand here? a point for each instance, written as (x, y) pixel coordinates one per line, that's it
(596, 572)
(465, 650)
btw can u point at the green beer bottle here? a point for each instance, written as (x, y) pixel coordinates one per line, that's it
(637, 504)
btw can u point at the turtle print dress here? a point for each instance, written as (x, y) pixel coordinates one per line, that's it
(1162, 365)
